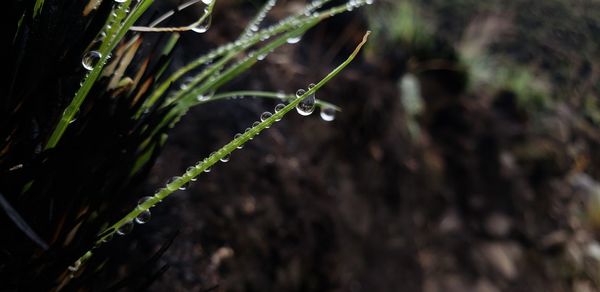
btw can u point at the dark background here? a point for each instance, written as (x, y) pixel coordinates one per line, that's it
(490, 185)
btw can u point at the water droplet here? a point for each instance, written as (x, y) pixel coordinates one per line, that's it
(189, 172)
(107, 238)
(125, 228)
(120, 1)
(143, 200)
(202, 97)
(300, 92)
(327, 114)
(261, 57)
(204, 26)
(255, 124)
(279, 107)
(254, 28)
(294, 40)
(237, 136)
(225, 158)
(143, 217)
(265, 116)
(369, 2)
(207, 2)
(171, 183)
(207, 169)
(90, 59)
(307, 105)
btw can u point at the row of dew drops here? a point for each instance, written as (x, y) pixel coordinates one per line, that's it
(91, 57)
(304, 108)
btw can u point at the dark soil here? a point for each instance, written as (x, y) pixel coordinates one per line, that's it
(491, 197)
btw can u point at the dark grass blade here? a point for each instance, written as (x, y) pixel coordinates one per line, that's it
(21, 223)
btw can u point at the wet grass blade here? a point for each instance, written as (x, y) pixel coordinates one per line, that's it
(122, 22)
(199, 168)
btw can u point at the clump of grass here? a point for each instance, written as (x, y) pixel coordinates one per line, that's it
(67, 168)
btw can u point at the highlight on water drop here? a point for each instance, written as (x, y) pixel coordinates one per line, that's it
(264, 116)
(327, 113)
(126, 228)
(294, 40)
(90, 59)
(307, 105)
(225, 158)
(204, 25)
(143, 217)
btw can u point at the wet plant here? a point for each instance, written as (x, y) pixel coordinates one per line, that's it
(86, 111)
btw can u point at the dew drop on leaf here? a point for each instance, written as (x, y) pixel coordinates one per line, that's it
(90, 59)
(125, 228)
(328, 114)
(143, 217)
(264, 116)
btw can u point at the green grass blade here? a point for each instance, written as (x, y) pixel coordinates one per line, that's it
(199, 168)
(115, 34)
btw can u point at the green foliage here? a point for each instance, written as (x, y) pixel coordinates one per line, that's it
(96, 145)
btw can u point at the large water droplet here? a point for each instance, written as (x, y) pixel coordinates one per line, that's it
(125, 228)
(327, 114)
(90, 59)
(204, 26)
(264, 116)
(261, 57)
(307, 105)
(294, 40)
(143, 217)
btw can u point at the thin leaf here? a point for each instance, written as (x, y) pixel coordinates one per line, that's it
(21, 223)
(199, 168)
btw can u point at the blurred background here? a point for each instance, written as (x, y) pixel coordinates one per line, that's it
(465, 157)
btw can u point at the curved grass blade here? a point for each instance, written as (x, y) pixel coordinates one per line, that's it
(21, 223)
(152, 27)
(201, 166)
(245, 42)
